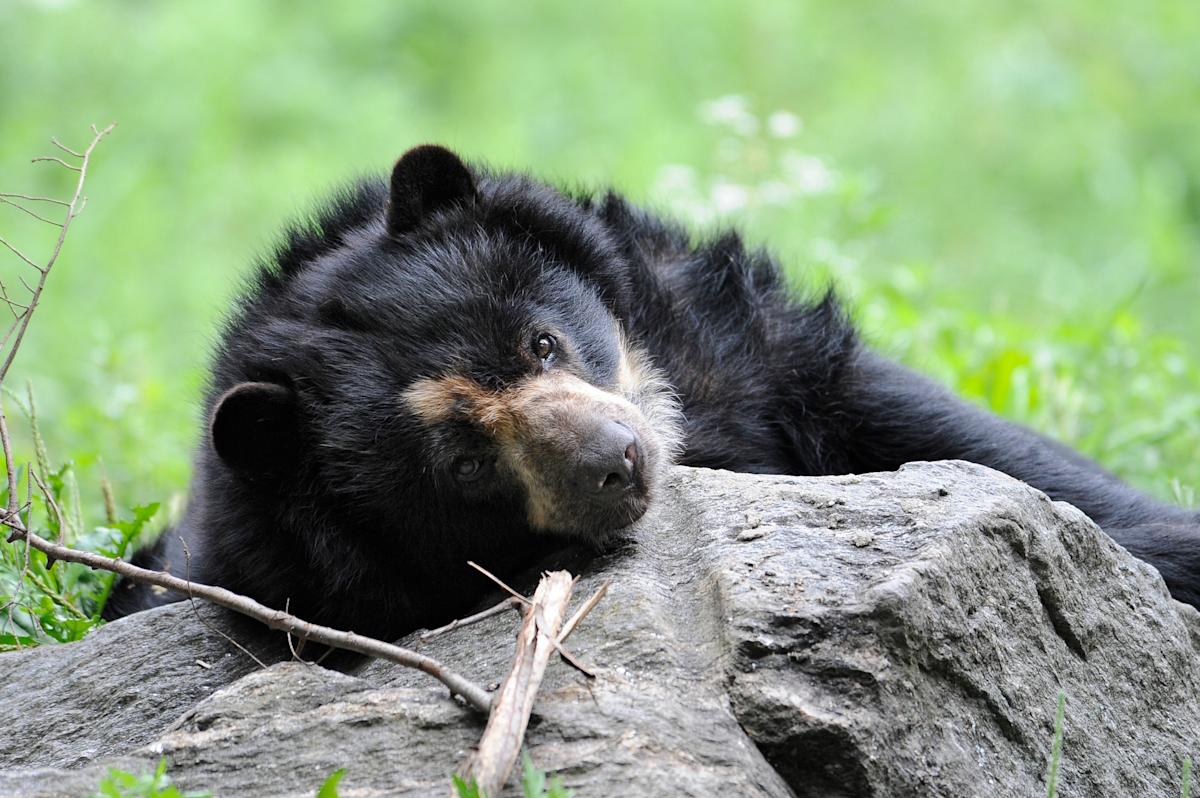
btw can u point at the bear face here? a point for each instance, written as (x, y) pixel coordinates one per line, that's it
(457, 364)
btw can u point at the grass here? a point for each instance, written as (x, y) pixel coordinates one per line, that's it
(1007, 196)
(1010, 200)
(534, 783)
(123, 784)
(1056, 747)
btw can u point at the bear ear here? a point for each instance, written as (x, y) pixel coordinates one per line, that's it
(254, 427)
(426, 179)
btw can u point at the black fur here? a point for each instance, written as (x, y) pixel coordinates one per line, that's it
(344, 504)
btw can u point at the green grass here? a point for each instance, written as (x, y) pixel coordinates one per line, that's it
(1007, 194)
(122, 784)
(534, 783)
(1056, 747)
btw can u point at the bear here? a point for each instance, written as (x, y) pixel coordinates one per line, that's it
(462, 364)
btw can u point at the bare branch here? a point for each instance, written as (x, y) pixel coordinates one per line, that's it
(23, 209)
(509, 603)
(9, 466)
(472, 693)
(67, 149)
(500, 744)
(58, 161)
(12, 304)
(19, 253)
(52, 200)
(583, 611)
(187, 557)
(497, 580)
(73, 208)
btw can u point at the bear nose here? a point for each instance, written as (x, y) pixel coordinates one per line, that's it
(609, 460)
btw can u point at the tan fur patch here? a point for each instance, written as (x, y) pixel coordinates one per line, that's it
(435, 399)
(540, 423)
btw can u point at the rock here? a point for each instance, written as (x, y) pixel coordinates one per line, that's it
(915, 647)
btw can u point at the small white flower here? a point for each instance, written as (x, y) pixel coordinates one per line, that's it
(809, 174)
(675, 177)
(728, 197)
(724, 110)
(784, 124)
(775, 192)
(730, 111)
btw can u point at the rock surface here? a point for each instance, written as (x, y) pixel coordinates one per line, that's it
(902, 634)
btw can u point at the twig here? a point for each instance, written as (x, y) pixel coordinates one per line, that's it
(12, 304)
(287, 607)
(19, 253)
(500, 744)
(58, 161)
(187, 574)
(73, 209)
(498, 581)
(65, 148)
(9, 466)
(34, 214)
(472, 693)
(583, 611)
(458, 623)
(31, 198)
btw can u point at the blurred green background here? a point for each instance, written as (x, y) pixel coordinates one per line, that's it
(1008, 195)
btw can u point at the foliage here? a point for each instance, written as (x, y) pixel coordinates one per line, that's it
(329, 789)
(1056, 748)
(60, 602)
(464, 788)
(1008, 194)
(120, 784)
(533, 783)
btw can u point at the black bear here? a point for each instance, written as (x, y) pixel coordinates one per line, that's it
(450, 364)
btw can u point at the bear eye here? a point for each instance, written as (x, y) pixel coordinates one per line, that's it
(543, 346)
(467, 469)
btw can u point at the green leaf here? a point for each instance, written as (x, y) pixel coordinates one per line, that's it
(533, 780)
(329, 787)
(465, 790)
(557, 790)
(14, 641)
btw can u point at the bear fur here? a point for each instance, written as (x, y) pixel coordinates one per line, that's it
(458, 364)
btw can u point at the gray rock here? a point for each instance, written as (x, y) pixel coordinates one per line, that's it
(902, 634)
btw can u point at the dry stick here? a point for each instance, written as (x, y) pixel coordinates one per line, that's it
(493, 761)
(509, 603)
(276, 619)
(583, 610)
(187, 575)
(73, 209)
(5, 201)
(9, 466)
(498, 581)
(51, 200)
